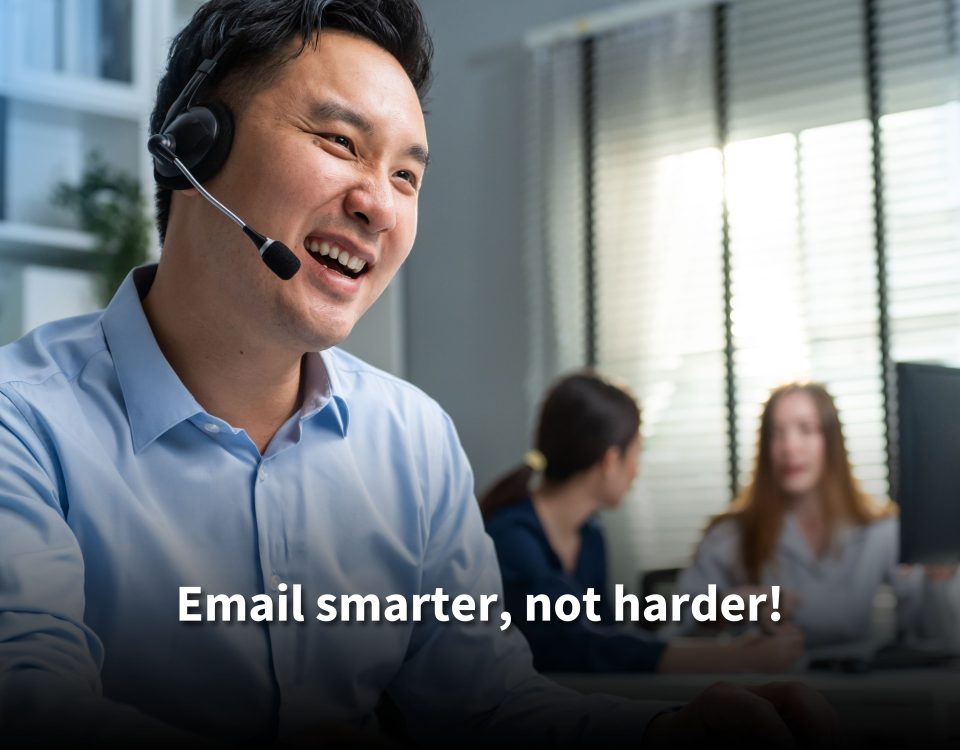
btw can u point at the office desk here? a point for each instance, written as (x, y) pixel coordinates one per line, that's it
(894, 708)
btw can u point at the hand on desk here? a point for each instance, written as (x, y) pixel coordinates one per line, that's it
(784, 714)
(755, 651)
(776, 651)
(940, 573)
(788, 604)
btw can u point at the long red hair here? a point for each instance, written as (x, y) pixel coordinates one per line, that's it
(760, 507)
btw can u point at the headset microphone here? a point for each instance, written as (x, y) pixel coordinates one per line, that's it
(279, 258)
(192, 145)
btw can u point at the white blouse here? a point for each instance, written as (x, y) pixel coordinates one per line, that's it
(836, 592)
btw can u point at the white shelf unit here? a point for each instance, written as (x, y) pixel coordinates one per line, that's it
(33, 243)
(76, 76)
(55, 108)
(31, 295)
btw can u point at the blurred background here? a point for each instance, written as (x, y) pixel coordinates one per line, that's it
(703, 199)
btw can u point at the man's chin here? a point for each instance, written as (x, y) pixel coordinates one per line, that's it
(323, 326)
(328, 335)
(318, 342)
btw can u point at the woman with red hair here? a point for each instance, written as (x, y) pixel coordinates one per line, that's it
(803, 522)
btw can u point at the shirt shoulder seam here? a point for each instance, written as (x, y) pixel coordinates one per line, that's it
(57, 371)
(367, 369)
(54, 483)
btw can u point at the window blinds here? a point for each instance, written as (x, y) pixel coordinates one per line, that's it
(556, 228)
(919, 69)
(658, 194)
(809, 218)
(800, 194)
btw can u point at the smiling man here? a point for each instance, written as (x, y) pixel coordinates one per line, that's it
(204, 434)
(329, 158)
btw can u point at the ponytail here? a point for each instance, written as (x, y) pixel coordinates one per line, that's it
(508, 490)
(582, 416)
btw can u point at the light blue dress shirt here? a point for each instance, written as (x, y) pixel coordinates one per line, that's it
(117, 488)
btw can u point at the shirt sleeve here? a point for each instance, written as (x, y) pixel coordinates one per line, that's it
(578, 646)
(464, 681)
(50, 661)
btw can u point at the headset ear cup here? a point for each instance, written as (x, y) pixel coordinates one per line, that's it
(215, 158)
(202, 139)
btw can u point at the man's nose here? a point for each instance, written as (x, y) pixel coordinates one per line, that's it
(371, 202)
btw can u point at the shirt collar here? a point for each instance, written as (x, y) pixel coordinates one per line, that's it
(155, 397)
(322, 385)
(793, 541)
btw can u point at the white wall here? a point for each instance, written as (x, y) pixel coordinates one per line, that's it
(465, 282)
(378, 337)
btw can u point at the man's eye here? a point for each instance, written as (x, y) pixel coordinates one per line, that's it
(340, 140)
(405, 174)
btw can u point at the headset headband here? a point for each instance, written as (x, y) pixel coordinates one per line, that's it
(185, 100)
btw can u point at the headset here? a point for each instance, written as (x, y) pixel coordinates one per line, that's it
(200, 135)
(192, 146)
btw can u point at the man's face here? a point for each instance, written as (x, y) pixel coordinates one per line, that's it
(328, 159)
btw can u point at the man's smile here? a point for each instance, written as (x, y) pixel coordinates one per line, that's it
(336, 257)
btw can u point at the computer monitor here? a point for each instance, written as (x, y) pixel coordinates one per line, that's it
(928, 490)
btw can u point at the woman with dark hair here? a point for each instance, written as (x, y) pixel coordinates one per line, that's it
(803, 522)
(587, 454)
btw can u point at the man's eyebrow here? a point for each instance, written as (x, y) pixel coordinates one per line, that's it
(334, 111)
(419, 153)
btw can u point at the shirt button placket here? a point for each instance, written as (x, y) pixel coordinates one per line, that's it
(270, 558)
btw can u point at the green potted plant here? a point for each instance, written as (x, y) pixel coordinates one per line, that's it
(109, 205)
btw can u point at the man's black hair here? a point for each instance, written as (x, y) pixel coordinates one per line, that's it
(260, 33)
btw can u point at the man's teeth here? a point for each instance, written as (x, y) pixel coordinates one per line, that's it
(338, 254)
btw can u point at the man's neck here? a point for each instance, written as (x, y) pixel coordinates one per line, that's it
(247, 383)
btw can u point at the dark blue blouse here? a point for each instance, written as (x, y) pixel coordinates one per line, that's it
(530, 566)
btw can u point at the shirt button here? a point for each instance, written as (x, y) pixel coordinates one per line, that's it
(275, 582)
(262, 476)
(212, 428)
